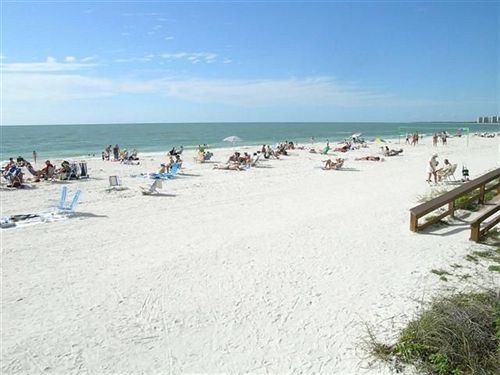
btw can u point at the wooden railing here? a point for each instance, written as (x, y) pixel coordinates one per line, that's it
(475, 227)
(487, 182)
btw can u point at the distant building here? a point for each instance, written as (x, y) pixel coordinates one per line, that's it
(488, 119)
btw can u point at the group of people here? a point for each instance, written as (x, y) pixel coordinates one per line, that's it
(437, 136)
(440, 173)
(203, 154)
(114, 153)
(239, 162)
(13, 171)
(412, 139)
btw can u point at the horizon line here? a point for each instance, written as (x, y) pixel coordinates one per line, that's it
(255, 122)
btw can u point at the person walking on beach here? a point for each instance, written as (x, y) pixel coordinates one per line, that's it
(432, 168)
(444, 137)
(435, 140)
(34, 157)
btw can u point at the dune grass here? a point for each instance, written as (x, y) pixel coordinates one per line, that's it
(454, 335)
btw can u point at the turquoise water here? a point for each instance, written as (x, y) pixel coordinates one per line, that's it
(81, 140)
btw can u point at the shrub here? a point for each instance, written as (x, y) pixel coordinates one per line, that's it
(455, 335)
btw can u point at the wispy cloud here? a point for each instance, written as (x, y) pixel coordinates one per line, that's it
(193, 57)
(89, 58)
(246, 93)
(170, 37)
(50, 65)
(142, 14)
(146, 58)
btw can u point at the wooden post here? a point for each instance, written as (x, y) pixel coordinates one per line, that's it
(475, 233)
(451, 208)
(413, 222)
(481, 194)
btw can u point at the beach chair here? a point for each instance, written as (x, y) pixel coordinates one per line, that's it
(73, 172)
(449, 175)
(255, 161)
(153, 189)
(164, 176)
(62, 201)
(115, 184)
(83, 170)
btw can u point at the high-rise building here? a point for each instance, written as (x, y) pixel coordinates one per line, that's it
(494, 119)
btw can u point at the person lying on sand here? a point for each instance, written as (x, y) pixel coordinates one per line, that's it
(344, 148)
(371, 158)
(391, 152)
(230, 166)
(330, 164)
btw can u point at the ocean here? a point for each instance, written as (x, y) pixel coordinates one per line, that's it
(63, 141)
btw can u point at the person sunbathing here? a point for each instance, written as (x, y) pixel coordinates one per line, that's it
(344, 148)
(47, 171)
(64, 171)
(445, 170)
(330, 164)
(371, 158)
(234, 158)
(391, 152)
(230, 166)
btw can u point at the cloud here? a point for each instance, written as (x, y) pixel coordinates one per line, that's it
(89, 58)
(146, 58)
(314, 91)
(193, 57)
(50, 65)
(227, 61)
(169, 37)
(54, 87)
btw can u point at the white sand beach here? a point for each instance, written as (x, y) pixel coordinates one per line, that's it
(270, 270)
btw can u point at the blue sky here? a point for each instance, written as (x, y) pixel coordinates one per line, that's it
(101, 62)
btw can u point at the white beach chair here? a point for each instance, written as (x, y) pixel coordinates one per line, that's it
(115, 184)
(153, 189)
(449, 175)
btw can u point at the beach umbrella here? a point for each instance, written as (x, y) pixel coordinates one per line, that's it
(379, 140)
(232, 139)
(356, 135)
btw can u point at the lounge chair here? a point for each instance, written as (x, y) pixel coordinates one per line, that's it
(255, 161)
(115, 184)
(62, 202)
(83, 170)
(449, 175)
(153, 189)
(164, 176)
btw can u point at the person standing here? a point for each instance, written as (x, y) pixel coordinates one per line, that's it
(116, 152)
(34, 157)
(432, 168)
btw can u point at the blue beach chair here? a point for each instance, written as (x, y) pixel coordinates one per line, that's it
(62, 202)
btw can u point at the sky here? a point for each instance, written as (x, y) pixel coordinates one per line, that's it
(252, 61)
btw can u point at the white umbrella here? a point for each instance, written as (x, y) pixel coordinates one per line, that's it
(356, 135)
(232, 139)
